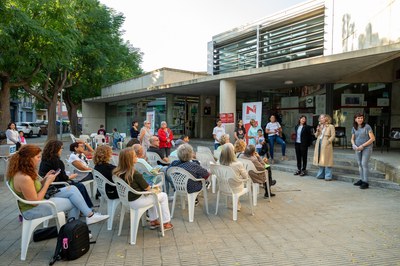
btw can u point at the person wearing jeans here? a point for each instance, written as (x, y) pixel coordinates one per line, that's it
(323, 153)
(362, 138)
(274, 131)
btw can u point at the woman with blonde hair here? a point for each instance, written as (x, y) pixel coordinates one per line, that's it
(224, 139)
(239, 146)
(126, 171)
(145, 135)
(323, 153)
(228, 158)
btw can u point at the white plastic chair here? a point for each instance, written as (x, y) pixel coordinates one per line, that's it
(90, 185)
(135, 214)
(28, 226)
(142, 169)
(217, 154)
(72, 138)
(121, 143)
(206, 159)
(255, 186)
(112, 204)
(204, 149)
(85, 138)
(172, 158)
(153, 158)
(180, 177)
(99, 140)
(224, 173)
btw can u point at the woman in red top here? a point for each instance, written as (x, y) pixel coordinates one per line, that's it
(165, 135)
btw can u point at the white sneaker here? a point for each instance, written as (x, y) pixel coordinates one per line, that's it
(95, 218)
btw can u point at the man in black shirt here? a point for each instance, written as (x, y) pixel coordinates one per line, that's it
(155, 147)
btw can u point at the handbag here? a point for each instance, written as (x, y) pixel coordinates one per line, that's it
(51, 191)
(45, 233)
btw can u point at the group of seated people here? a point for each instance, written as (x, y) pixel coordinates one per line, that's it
(26, 181)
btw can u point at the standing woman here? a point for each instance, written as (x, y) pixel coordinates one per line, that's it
(126, 171)
(304, 139)
(362, 138)
(166, 137)
(134, 130)
(13, 135)
(145, 135)
(323, 153)
(240, 131)
(274, 131)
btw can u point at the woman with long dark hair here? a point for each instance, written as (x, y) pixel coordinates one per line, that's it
(51, 160)
(304, 139)
(362, 138)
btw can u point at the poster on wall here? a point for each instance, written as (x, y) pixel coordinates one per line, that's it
(150, 116)
(250, 111)
(227, 118)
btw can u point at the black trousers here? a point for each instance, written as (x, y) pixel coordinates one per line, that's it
(301, 156)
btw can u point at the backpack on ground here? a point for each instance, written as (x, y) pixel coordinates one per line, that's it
(72, 242)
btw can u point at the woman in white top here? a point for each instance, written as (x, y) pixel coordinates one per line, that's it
(13, 135)
(274, 131)
(145, 135)
(252, 134)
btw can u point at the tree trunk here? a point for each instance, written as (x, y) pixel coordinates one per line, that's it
(72, 114)
(5, 116)
(52, 117)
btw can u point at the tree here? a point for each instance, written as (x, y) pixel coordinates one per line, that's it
(37, 39)
(102, 57)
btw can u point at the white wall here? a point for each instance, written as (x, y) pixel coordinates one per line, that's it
(360, 24)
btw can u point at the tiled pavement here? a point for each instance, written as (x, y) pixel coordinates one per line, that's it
(309, 222)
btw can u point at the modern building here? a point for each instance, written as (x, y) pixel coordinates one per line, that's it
(320, 56)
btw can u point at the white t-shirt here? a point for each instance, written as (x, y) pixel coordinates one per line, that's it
(218, 132)
(272, 127)
(75, 157)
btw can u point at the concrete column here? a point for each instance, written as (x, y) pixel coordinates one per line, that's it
(227, 102)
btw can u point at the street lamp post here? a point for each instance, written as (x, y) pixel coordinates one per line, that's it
(61, 104)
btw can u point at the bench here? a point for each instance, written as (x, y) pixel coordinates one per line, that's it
(394, 135)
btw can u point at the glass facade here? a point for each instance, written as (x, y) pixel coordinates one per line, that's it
(268, 45)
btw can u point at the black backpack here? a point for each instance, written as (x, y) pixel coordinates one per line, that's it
(72, 242)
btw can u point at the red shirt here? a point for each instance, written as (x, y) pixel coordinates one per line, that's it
(164, 136)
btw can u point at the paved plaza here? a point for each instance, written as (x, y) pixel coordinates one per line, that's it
(309, 222)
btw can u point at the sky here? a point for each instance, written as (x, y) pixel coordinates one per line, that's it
(175, 33)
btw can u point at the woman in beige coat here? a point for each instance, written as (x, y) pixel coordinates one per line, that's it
(323, 153)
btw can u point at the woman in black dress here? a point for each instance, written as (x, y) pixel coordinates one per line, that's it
(304, 139)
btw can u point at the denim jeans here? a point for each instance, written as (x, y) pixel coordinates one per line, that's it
(324, 172)
(68, 199)
(363, 160)
(279, 140)
(216, 145)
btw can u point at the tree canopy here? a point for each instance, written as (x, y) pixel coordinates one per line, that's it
(74, 46)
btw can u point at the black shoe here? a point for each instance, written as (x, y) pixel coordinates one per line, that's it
(364, 185)
(358, 183)
(266, 195)
(297, 172)
(196, 202)
(273, 182)
(303, 173)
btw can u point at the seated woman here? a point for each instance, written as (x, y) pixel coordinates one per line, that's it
(126, 171)
(224, 139)
(24, 181)
(51, 161)
(79, 160)
(101, 159)
(228, 158)
(251, 154)
(185, 156)
(239, 147)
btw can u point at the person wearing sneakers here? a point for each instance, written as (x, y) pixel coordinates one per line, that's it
(24, 180)
(260, 178)
(127, 172)
(323, 152)
(274, 131)
(362, 138)
(304, 139)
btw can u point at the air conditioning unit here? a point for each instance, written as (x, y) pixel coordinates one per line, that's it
(310, 101)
